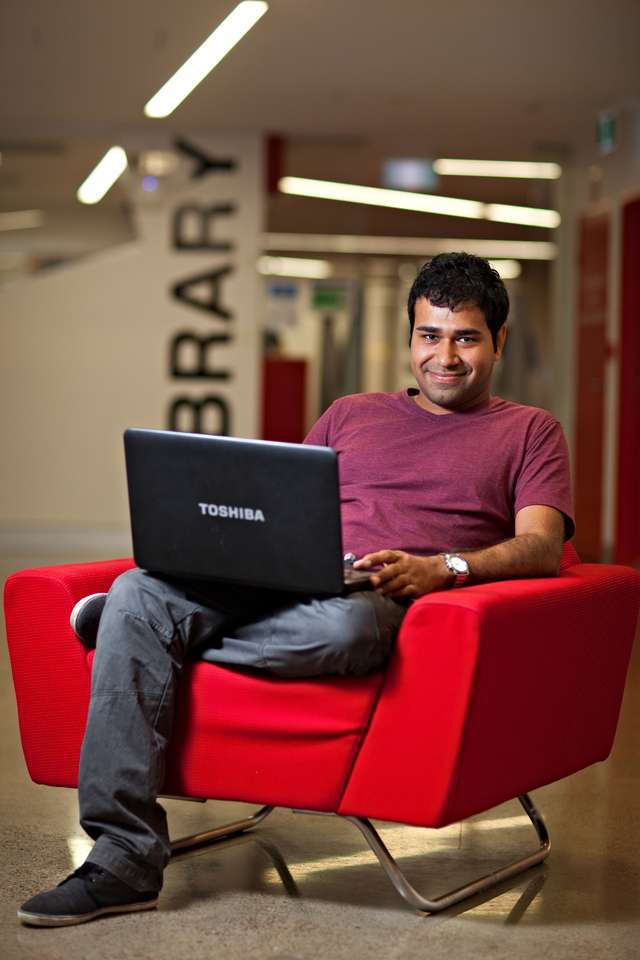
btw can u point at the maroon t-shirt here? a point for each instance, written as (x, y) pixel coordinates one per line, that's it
(426, 483)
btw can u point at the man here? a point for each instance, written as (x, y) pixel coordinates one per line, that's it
(441, 486)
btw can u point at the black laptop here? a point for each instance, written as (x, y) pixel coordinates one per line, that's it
(248, 512)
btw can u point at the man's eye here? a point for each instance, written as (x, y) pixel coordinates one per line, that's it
(429, 337)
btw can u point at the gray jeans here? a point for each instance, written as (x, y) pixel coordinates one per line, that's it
(148, 627)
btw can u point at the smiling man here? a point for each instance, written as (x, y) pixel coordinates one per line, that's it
(441, 485)
(459, 486)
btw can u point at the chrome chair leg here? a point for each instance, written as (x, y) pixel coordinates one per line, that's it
(219, 833)
(416, 900)
(389, 865)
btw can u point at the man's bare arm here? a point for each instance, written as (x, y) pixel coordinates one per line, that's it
(535, 551)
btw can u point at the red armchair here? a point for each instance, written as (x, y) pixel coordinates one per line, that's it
(492, 691)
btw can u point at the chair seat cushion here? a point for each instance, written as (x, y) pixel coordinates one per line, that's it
(246, 735)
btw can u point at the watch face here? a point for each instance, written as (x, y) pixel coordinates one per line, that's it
(459, 565)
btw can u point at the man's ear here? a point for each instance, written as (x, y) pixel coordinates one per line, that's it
(501, 337)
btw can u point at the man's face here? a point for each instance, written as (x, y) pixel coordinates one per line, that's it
(452, 356)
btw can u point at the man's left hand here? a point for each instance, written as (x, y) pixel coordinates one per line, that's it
(403, 574)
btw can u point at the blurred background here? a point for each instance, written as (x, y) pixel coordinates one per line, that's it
(247, 255)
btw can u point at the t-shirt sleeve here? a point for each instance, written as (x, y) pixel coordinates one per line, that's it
(320, 432)
(544, 478)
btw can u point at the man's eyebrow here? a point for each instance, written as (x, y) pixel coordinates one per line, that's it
(459, 331)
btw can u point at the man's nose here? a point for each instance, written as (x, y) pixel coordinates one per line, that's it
(447, 353)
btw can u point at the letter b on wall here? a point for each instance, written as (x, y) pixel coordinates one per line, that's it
(208, 414)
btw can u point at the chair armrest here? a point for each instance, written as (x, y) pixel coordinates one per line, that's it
(494, 690)
(50, 673)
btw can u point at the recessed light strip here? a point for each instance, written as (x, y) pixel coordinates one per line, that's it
(508, 269)
(205, 58)
(21, 219)
(274, 266)
(418, 202)
(524, 169)
(103, 176)
(380, 197)
(528, 216)
(294, 267)
(407, 246)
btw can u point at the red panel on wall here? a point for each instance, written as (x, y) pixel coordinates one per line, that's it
(628, 486)
(284, 399)
(590, 357)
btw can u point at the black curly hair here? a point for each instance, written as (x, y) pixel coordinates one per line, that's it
(453, 279)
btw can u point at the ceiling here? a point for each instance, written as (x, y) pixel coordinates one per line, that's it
(345, 82)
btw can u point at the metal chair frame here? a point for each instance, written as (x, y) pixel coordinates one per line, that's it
(408, 892)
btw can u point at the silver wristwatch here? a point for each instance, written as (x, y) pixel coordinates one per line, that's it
(458, 566)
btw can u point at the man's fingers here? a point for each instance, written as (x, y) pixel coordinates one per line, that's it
(377, 558)
(388, 572)
(393, 585)
(393, 578)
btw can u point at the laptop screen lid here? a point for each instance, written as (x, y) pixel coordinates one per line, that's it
(252, 512)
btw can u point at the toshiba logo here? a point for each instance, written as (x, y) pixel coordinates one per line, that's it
(231, 513)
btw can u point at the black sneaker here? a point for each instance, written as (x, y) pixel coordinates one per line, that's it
(87, 893)
(85, 618)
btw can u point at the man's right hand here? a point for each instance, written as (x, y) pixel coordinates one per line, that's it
(405, 575)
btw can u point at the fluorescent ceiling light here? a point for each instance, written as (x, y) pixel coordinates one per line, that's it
(527, 170)
(407, 246)
(294, 267)
(103, 177)
(380, 197)
(508, 269)
(529, 216)
(418, 202)
(205, 58)
(21, 219)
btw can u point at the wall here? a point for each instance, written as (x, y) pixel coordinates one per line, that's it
(595, 185)
(84, 353)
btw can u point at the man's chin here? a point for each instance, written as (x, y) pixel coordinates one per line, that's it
(448, 399)
(446, 393)
(442, 400)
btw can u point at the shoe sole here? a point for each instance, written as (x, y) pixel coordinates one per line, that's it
(62, 920)
(73, 617)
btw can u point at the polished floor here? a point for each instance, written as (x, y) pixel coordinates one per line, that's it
(306, 886)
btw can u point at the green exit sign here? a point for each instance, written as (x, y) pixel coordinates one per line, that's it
(606, 132)
(327, 297)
